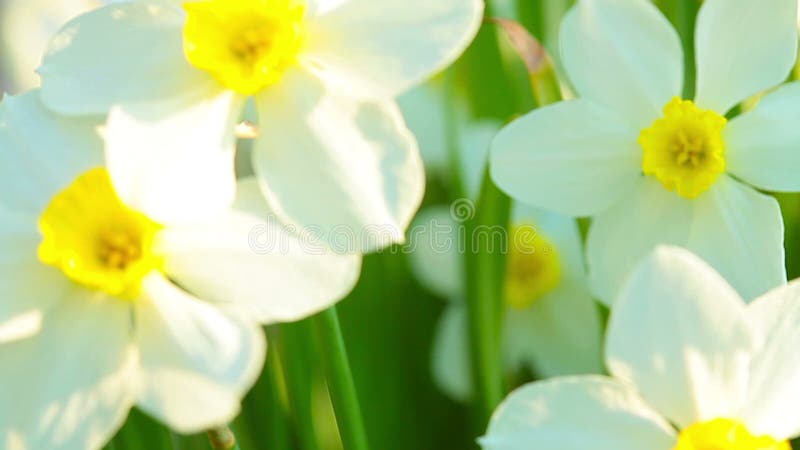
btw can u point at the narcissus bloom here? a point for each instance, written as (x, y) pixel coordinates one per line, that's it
(551, 324)
(653, 168)
(333, 150)
(693, 367)
(103, 307)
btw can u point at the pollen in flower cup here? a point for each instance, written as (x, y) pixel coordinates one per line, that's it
(105, 307)
(693, 367)
(651, 167)
(333, 151)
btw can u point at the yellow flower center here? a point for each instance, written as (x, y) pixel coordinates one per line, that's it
(684, 149)
(725, 434)
(247, 45)
(95, 239)
(532, 267)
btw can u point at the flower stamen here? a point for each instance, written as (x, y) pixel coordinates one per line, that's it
(684, 149)
(532, 268)
(95, 239)
(725, 434)
(247, 45)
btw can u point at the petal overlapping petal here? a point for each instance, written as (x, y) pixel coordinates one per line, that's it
(246, 258)
(736, 229)
(347, 173)
(174, 159)
(682, 336)
(197, 360)
(63, 401)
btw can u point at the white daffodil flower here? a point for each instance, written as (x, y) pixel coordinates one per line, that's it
(693, 367)
(102, 307)
(551, 324)
(652, 168)
(333, 151)
(26, 26)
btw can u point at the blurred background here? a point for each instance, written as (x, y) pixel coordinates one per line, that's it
(390, 320)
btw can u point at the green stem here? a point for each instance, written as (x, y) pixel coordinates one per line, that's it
(682, 14)
(457, 186)
(222, 438)
(142, 433)
(279, 424)
(189, 441)
(340, 380)
(492, 94)
(486, 236)
(297, 352)
(485, 265)
(263, 423)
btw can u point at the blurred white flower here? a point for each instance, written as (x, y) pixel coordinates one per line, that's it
(333, 150)
(652, 168)
(26, 26)
(104, 307)
(551, 324)
(425, 111)
(693, 367)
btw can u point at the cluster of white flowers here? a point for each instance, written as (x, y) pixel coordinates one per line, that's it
(692, 366)
(129, 275)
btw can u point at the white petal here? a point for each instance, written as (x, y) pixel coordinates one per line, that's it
(345, 172)
(775, 373)
(743, 48)
(174, 159)
(197, 360)
(623, 54)
(575, 157)
(245, 257)
(124, 52)
(713, 226)
(621, 236)
(42, 153)
(376, 51)
(27, 287)
(762, 145)
(740, 232)
(71, 385)
(25, 28)
(451, 356)
(433, 252)
(680, 333)
(577, 413)
(560, 334)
